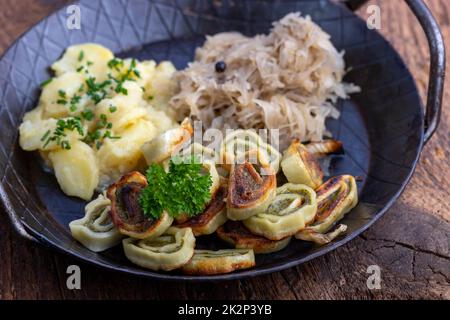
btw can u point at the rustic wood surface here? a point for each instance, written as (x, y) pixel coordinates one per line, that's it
(411, 243)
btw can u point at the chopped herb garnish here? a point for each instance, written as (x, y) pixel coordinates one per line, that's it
(61, 93)
(61, 101)
(184, 189)
(97, 91)
(101, 132)
(115, 64)
(80, 68)
(81, 56)
(87, 115)
(72, 123)
(45, 136)
(89, 63)
(112, 109)
(46, 82)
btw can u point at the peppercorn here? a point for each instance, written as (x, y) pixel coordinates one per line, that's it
(220, 66)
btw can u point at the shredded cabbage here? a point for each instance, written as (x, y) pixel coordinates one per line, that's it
(288, 79)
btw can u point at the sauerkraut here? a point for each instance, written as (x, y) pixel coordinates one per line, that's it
(288, 79)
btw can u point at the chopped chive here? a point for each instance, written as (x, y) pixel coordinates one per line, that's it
(45, 136)
(81, 56)
(46, 82)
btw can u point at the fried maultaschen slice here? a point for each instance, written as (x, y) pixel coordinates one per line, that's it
(126, 212)
(293, 208)
(323, 148)
(301, 167)
(249, 192)
(334, 198)
(168, 143)
(236, 234)
(207, 262)
(212, 217)
(169, 251)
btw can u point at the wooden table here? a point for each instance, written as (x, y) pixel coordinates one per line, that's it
(411, 243)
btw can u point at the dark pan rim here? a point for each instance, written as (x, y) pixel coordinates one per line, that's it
(250, 273)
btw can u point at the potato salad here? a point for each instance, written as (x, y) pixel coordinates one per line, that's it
(94, 115)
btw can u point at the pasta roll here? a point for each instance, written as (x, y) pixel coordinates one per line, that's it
(201, 152)
(239, 143)
(335, 198)
(212, 217)
(167, 144)
(167, 252)
(300, 167)
(292, 209)
(324, 148)
(250, 191)
(126, 212)
(207, 262)
(236, 234)
(96, 230)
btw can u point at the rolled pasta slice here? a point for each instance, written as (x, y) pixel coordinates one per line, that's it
(237, 145)
(168, 143)
(292, 209)
(201, 152)
(126, 212)
(322, 238)
(237, 235)
(323, 148)
(300, 167)
(169, 251)
(96, 230)
(252, 187)
(212, 217)
(335, 198)
(207, 262)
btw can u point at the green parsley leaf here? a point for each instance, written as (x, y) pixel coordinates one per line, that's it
(184, 189)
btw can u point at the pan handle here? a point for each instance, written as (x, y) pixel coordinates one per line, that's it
(437, 61)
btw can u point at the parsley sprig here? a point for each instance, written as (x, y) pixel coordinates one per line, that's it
(184, 189)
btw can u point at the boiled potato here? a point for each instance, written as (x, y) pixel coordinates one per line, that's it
(160, 88)
(160, 119)
(32, 134)
(76, 170)
(33, 115)
(70, 83)
(119, 156)
(127, 108)
(90, 56)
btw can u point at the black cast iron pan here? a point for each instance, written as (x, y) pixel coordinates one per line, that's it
(383, 128)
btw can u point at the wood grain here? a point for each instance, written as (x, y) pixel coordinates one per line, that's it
(411, 243)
